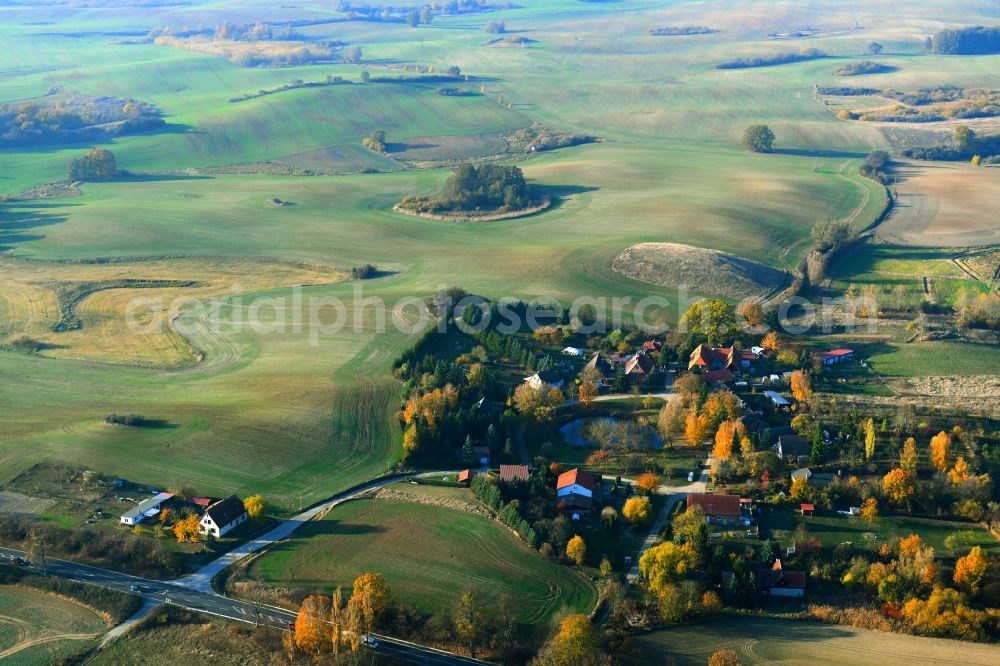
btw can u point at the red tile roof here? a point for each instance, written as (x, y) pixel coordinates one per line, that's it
(807, 507)
(837, 352)
(713, 376)
(640, 364)
(467, 475)
(707, 357)
(716, 505)
(577, 476)
(512, 472)
(776, 574)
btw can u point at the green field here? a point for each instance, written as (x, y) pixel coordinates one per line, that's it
(299, 419)
(772, 640)
(39, 629)
(429, 555)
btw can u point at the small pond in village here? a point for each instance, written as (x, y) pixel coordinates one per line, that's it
(612, 432)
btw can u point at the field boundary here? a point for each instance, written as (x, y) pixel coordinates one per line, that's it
(489, 217)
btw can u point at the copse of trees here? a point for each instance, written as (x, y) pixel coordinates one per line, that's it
(95, 164)
(71, 118)
(771, 60)
(758, 138)
(974, 40)
(863, 67)
(375, 141)
(488, 187)
(874, 166)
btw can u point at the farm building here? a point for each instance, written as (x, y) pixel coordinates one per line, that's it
(714, 358)
(223, 516)
(575, 482)
(807, 509)
(145, 509)
(777, 399)
(836, 356)
(718, 509)
(777, 582)
(639, 365)
(652, 346)
(509, 473)
(713, 377)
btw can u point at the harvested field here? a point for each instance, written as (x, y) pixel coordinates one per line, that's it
(943, 205)
(975, 387)
(701, 270)
(94, 323)
(774, 641)
(36, 628)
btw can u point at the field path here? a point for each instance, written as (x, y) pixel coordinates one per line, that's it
(45, 639)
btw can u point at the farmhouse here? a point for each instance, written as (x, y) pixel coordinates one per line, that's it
(575, 482)
(777, 582)
(598, 363)
(714, 358)
(836, 356)
(638, 366)
(652, 346)
(145, 509)
(223, 516)
(510, 473)
(718, 509)
(793, 447)
(540, 380)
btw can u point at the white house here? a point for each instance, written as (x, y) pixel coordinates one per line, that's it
(573, 351)
(223, 516)
(538, 380)
(575, 482)
(145, 509)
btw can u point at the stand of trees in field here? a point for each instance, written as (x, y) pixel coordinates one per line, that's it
(677, 30)
(486, 188)
(771, 60)
(95, 164)
(974, 40)
(71, 117)
(863, 67)
(967, 146)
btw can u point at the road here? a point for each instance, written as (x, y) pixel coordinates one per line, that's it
(195, 592)
(673, 494)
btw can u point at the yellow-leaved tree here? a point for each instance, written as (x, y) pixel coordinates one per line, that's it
(636, 510)
(898, 486)
(960, 472)
(371, 596)
(869, 510)
(969, 570)
(939, 450)
(575, 644)
(255, 505)
(311, 634)
(665, 563)
(801, 386)
(908, 458)
(576, 550)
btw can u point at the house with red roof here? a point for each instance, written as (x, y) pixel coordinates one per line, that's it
(466, 475)
(510, 473)
(715, 358)
(780, 582)
(575, 482)
(718, 509)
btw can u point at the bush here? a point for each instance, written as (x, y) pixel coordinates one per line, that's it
(859, 68)
(125, 420)
(758, 138)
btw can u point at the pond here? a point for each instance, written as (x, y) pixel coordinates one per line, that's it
(591, 432)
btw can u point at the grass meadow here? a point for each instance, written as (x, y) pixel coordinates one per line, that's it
(429, 556)
(38, 628)
(277, 414)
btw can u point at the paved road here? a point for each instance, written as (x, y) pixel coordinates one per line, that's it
(673, 494)
(195, 592)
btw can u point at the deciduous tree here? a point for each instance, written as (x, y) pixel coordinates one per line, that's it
(469, 621)
(908, 458)
(939, 450)
(372, 596)
(869, 439)
(960, 472)
(665, 563)
(869, 510)
(636, 510)
(254, 506)
(576, 550)
(648, 482)
(758, 138)
(898, 486)
(311, 635)
(724, 658)
(576, 644)
(801, 386)
(970, 570)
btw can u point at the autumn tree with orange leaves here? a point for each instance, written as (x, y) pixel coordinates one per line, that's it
(898, 486)
(970, 570)
(801, 386)
(939, 450)
(188, 529)
(311, 633)
(727, 437)
(648, 482)
(960, 472)
(371, 597)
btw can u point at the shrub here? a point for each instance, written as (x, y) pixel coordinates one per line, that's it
(95, 164)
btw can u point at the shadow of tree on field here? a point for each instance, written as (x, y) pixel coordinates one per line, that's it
(15, 221)
(825, 154)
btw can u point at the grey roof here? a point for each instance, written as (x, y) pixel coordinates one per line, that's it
(794, 445)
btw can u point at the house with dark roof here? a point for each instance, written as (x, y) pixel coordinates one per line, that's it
(714, 358)
(510, 473)
(780, 582)
(575, 482)
(600, 364)
(793, 447)
(712, 377)
(639, 366)
(223, 516)
(540, 380)
(718, 509)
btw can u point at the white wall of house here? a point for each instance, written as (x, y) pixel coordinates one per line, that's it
(208, 526)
